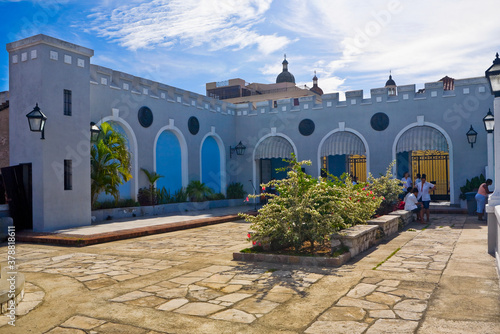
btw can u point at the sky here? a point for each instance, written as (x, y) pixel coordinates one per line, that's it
(351, 44)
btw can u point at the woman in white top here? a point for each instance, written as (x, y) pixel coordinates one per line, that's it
(423, 194)
(413, 205)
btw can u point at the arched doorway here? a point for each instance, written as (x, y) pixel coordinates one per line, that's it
(343, 152)
(169, 161)
(268, 156)
(425, 150)
(211, 172)
(127, 190)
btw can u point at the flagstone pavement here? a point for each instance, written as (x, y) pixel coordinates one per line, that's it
(435, 278)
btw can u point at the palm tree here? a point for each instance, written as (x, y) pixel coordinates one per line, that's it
(152, 178)
(198, 191)
(109, 163)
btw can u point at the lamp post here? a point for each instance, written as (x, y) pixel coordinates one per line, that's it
(471, 136)
(36, 120)
(239, 149)
(489, 125)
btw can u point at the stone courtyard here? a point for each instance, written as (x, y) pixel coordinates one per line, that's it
(435, 278)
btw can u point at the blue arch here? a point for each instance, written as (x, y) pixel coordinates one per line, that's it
(124, 189)
(168, 162)
(210, 164)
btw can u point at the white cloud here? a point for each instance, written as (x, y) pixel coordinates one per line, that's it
(215, 24)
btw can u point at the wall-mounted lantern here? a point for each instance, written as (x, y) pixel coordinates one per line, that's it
(94, 132)
(36, 120)
(239, 149)
(471, 136)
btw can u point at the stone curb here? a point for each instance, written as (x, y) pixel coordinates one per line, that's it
(291, 259)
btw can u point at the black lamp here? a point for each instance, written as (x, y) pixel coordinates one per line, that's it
(239, 149)
(36, 121)
(471, 136)
(94, 132)
(489, 122)
(493, 75)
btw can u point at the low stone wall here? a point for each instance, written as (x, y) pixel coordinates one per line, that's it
(388, 224)
(141, 211)
(406, 217)
(357, 238)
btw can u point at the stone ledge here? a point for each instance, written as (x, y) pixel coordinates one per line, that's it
(357, 238)
(291, 259)
(389, 224)
(405, 216)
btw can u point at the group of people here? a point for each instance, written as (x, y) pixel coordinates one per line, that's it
(417, 198)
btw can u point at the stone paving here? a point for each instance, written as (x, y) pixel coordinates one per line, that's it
(186, 282)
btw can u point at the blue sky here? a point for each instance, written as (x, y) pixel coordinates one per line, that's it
(352, 44)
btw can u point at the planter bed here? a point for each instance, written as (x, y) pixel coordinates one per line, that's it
(357, 238)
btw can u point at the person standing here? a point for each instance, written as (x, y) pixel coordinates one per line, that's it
(423, 194)
(406, 181)
(481, 197)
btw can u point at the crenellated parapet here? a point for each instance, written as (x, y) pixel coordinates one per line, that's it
(106, 78)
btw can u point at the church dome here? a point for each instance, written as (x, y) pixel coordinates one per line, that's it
(390, 82)
(285, 76)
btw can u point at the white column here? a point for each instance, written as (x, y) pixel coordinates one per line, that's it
(494, 198)
(491, 170)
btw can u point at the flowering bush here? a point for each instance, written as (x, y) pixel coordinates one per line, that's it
(386, 187)
(307, 209)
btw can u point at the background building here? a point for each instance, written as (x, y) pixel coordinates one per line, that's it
(186, 136)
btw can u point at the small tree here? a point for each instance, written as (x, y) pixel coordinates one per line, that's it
(109, 163)
(152, 178)
(198, 191)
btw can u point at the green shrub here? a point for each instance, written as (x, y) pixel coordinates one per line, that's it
(111, 204)
(306, 209)
(180, 196)
(235, 190)
(386, 187)
(144, 197)
(472, 185)
(216, 197)
(198, 191)
(163, 196)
